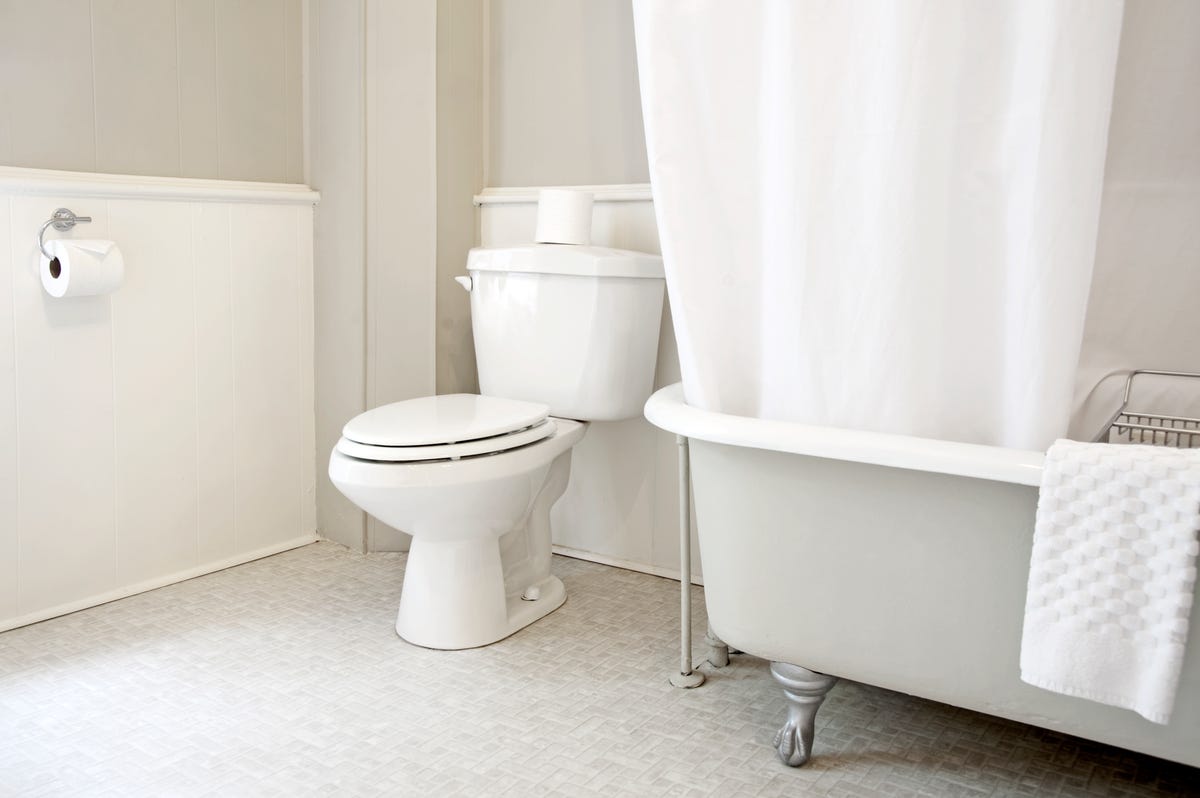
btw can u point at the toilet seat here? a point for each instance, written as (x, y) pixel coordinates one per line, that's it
(447, 451)
(448, 427)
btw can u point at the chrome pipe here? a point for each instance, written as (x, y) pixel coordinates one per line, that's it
(687, 677)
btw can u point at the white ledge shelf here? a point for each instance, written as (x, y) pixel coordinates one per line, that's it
(16, 180)
(629, 192)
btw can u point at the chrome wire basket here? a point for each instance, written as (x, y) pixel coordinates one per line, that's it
(1158, 429)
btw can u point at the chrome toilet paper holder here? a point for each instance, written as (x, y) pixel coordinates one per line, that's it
(62, 220)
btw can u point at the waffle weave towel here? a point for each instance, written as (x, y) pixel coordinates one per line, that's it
(1112, 575)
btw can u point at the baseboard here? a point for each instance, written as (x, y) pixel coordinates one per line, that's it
(628, 565)
(155, 583)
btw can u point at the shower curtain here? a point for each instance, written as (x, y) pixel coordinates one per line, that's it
(880, 216)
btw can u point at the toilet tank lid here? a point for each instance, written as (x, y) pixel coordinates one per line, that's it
(450, 418)
(566, 259)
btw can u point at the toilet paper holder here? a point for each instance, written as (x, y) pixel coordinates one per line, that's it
(62, 220)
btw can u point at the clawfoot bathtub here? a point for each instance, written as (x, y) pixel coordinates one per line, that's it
(890, 560)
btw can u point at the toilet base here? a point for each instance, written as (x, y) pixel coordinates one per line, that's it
(520, 613)
(476, 612)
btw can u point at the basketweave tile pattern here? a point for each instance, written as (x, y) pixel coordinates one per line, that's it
(284, 677)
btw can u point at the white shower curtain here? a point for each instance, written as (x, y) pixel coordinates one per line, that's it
(876, 215)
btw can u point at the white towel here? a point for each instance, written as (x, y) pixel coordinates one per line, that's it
(1112, 574)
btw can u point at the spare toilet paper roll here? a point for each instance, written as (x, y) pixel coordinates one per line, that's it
(564, 217)
(82, 268)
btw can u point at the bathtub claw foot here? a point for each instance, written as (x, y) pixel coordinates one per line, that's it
(718, 652)
(805, 690)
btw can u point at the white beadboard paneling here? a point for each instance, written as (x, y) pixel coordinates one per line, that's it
(623, 216)
(161, 580)
(154, 367)
(508, 224)
(136, 80)
(266, 357)
(210, 263)
(608, 507)
(65, 408)
(8, 425)
(120, 415)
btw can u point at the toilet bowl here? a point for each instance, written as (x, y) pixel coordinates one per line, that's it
(563, 332)
(472, 479)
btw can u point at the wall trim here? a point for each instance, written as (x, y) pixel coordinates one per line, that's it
(18, 180)
(629, 192)
(155, 583)
(627, 565)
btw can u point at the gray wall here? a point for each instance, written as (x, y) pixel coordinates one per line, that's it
(373, 97)
(461, 35)
(1142, 312)
(563, 103)
(337, 131)
(189, 88)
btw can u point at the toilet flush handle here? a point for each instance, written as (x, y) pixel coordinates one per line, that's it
(464, 281)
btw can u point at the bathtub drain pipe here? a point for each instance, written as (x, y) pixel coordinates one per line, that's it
(687, 676)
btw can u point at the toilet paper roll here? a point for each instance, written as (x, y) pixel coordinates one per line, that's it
(82, 268)
(564, 217)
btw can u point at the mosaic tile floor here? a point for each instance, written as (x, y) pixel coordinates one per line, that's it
(285, 677)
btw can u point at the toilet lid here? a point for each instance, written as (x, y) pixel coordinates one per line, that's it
(447, 451)
(440, 420)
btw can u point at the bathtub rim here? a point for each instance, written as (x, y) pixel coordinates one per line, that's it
(667, 410)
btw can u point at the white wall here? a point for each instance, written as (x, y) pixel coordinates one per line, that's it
(194, 88)
(164, 430)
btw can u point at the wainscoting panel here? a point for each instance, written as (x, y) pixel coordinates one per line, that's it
(164, 430)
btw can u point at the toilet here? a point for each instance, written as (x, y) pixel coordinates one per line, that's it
(564, 335)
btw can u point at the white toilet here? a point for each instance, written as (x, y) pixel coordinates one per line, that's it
(563, 335)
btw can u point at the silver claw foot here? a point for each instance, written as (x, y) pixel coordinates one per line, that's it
(718, 652)
(805, 690)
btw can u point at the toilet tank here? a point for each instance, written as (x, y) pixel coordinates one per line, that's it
(573, 327)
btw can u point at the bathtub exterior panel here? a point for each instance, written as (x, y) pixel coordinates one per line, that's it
(909, 580)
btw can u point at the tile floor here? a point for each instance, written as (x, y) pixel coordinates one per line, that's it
(284, 677)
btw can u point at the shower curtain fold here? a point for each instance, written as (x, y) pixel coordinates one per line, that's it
(880, 216)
